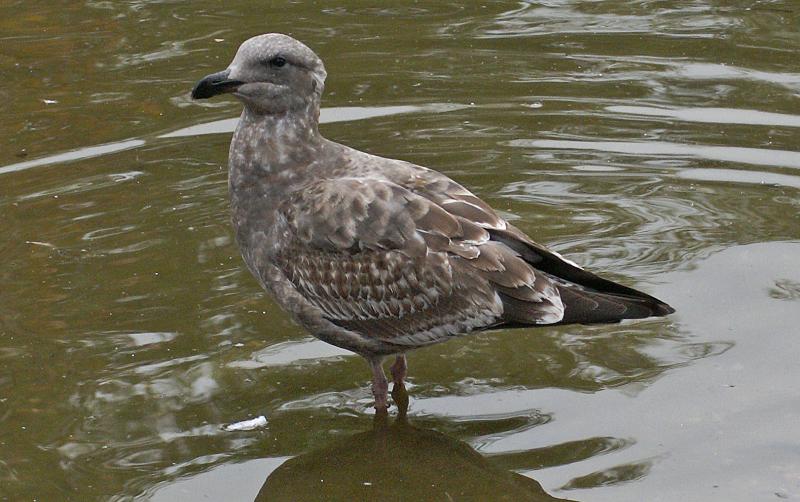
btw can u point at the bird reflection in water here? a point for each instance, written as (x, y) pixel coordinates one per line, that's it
(397, 461)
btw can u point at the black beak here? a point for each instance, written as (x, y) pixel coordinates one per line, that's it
(216, 83)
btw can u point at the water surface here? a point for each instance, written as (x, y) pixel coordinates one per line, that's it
(654, 142)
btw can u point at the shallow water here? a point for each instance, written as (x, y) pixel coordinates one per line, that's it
(653, 141)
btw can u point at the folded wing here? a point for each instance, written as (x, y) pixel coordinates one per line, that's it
(587, 298)
(378, 259)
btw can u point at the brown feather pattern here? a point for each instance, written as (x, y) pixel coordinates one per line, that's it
(377, 258)
(379, 255)
(376, 255)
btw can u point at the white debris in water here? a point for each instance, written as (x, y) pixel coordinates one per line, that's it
(37, 243)
(49, 101)
(246, 425)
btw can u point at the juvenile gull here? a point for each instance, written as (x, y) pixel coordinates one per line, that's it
(375, 255)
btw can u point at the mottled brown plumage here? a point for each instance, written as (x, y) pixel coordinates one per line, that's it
(376, 255)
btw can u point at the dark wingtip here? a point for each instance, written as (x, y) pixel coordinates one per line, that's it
(647, 306)
(662, 309)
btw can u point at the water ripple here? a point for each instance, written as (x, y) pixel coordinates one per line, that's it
(733, 154)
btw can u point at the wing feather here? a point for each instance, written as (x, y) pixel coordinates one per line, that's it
(586, 297)
(412, 257)
(378, 259)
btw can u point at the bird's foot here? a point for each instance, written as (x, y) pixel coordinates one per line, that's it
(380, 386)
(381, 398)
(400, 398)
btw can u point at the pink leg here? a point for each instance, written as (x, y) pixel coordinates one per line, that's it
(380, 386)
(399, 369)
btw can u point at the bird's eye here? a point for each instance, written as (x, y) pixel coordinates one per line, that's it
(277, 61)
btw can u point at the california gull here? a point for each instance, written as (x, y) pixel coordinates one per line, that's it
(375, 255)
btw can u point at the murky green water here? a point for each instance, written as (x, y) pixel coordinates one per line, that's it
(654, 141)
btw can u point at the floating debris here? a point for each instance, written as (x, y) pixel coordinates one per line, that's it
(246, 425)
(43, 244)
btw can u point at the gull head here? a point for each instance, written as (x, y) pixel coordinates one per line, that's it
(271, 74)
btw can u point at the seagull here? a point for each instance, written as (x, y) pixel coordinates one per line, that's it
(375, 255)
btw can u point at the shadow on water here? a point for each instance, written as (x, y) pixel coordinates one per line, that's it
(397, 461)
(389, 457)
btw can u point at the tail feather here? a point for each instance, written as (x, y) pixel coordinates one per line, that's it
(587, 298)
(587, 307)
